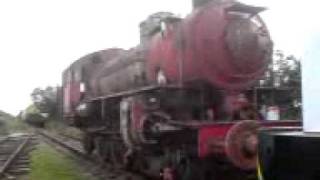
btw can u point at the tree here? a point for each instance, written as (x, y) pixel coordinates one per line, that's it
(32, 116)
(285, 74)
(45, 100)
(287, 70)
(284, 71)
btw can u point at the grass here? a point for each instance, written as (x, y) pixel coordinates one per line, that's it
(17, 125)
(13, 125)
(48, 164)
(61, 128)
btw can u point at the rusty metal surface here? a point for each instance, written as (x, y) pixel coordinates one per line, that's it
(197, 49)
(135, 91)
(235, 140)
(83, 71)
(126, 72)
(209, 45)
(241, 144)
(222, 45)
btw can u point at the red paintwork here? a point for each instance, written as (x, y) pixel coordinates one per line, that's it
(208, 133)
(203, 47)
(71, 97)
(218, 132)
(198, 44)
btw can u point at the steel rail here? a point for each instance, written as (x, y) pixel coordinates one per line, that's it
(4, 139)
(81, 154)
(64, 145)
(12, 157)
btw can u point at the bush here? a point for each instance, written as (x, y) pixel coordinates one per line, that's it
(34, 119)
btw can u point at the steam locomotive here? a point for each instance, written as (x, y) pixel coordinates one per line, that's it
(172, 106)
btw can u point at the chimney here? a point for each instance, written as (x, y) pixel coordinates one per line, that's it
(199, 3)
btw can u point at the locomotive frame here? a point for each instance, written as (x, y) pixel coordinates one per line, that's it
(158, 110)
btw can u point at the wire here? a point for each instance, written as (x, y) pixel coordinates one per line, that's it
(260, 176)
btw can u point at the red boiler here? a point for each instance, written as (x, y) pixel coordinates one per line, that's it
(225, 44)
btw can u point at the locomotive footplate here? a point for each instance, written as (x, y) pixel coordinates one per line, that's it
(137, 91)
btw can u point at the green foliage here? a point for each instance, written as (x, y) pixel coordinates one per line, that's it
(17, 125)
(288, 74)
(5, 120)
(5, 116)
(61, 128)
(285, 71)
(284, 74)
(11, 124)
(35, 119)
(3, 127)
(44, 107)
(32, 116)
(32, 109)
(45, 100)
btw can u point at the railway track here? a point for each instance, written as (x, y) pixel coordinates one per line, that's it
(102, 171)
(71, 144)
(14, 155)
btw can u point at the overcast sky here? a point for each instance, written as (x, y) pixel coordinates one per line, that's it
(40, 38)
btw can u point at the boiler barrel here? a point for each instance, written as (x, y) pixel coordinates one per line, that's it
(218, 43)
